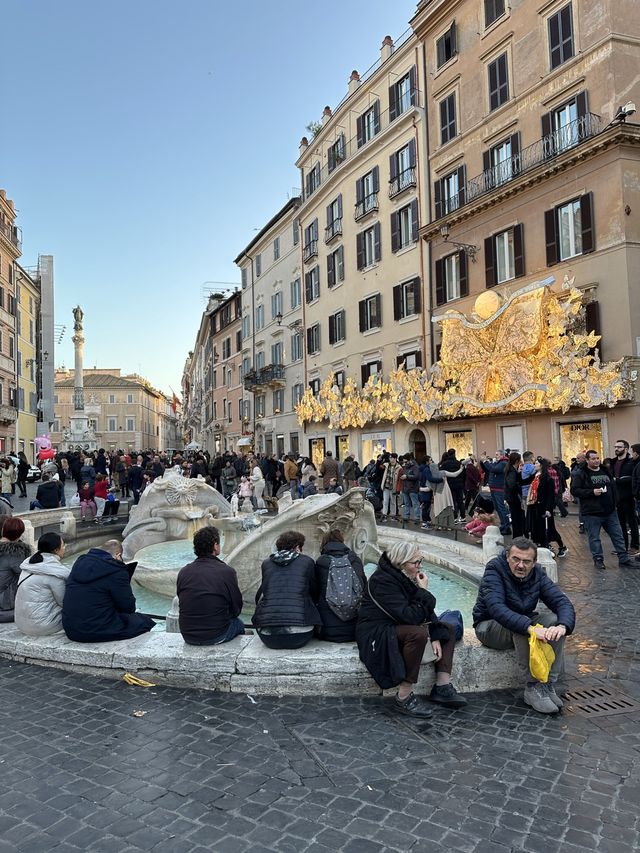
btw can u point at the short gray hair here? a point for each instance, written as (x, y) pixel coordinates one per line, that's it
(113, 547)
(524, 544)
(401, 553)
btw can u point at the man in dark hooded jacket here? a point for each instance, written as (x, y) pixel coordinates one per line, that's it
(99, 605)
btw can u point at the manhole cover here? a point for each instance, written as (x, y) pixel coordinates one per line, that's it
(600, 702)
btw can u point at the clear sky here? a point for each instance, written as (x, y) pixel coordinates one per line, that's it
(144, 142)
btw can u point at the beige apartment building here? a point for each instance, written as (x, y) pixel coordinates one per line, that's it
(272, 366)
(28, 371)
(364, 304)
(125, 412)
(534, 165)
(10, 251)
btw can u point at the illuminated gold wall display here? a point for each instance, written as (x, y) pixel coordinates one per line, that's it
(525, 353)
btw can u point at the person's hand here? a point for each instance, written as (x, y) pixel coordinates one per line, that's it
(547, 514)
(539, 632)
(437, 649)
(597, 492)
(403, 476)
(422, 580)
(555, 632)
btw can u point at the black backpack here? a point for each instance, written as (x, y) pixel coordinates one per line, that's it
(344, 588)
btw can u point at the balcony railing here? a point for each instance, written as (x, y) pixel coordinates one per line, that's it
(545, 149)
(310, 250)
(404, 181)
(8, 415)
(334, 229)
(369, 204)
(272, 374)
(11, 233)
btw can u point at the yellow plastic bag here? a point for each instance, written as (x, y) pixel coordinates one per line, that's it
(541, 657)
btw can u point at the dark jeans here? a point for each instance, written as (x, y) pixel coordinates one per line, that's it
(425, 504)
(628, 521)
(469, 497)
(594, 523)
(412, 640)
(22, 485)
(285, 640)
(517, 517)
(501, 509)
(236, 627)
(559, 504)
(458, 501)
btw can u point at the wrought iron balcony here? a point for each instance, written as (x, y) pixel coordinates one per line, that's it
(271, 375)
(11, 233)
(8, 415)
(369, 204)
(310, 250)
(333, 230)
(545, 149)
(404, 181)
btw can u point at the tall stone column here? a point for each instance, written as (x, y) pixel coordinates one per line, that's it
(78, 343)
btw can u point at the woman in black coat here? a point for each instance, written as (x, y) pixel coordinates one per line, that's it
(396, 620)
(333, 628)
(540, 503)
(513, 493)
(285, 615)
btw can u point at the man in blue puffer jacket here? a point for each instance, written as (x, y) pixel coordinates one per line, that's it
(505, 613)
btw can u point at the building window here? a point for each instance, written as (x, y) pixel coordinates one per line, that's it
(404, 226)
(277, 353)
(296, 346)
(314, 386)
(502, 161)
(313, 339)
(504, 256)
(493, 9)
(449, 192)
(296, 394)
(226, 349)
(112, 424)
(411, 360)
(313, 180)
(560, 37)
(334, 219)
(402, 169)
(448, 128)
(112, 398)
(337, 327)
(258, 265)
(339, 379)
(367, 193)
(403, 94)
(370, 311)
(246, 327)
(278, 401)
(276, 304)
(498, 82)
(371, 368)
(335, 267)
(569, 229)
(406, 299)
(337, 152)
(566, 125)
(276, 248)
(260, 360)
(296, 232)
(451, 278)
(446, 46)
(296, 297)
(243, 278)
(368, 124)
(131, 424)
(368, 247)
(259, 324)
(310, 249)
(312, 284)
(239, 340)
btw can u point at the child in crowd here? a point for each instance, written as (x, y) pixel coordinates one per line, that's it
(484, 516)
(87, 502)
(245, 489)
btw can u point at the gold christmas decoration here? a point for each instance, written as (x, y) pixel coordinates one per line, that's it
(528, 352)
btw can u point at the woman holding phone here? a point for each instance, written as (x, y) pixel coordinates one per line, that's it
(396, 622)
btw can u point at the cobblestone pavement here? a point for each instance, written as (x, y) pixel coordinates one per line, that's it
(202, 771)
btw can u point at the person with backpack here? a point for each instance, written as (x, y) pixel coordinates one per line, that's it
(340, 581)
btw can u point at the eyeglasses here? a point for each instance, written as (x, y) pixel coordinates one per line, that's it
(518, 562)
(414, 562)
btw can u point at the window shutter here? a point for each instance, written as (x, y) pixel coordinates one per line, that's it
(417, 295)
(393, 167)
(464, 280)
(437, 195)
(462, 179)
(489, 262)
(331, 279)
(413, 85)
(395, 232)
(308, 290)
(378, 299)
(586, 212)
(493, 85)
(548, 146)
(362, 311)
(339, 205)
(551, 236)
(309, 340)
(412, 153)
(359, 191)
(581, 104)
(331, 157)
(314, 229)
(486, 160)
(518, 250)
(453, 39)
(360, 130)
(376, 178)
(418, 355)
(332, 329)
(377, 241)
(343, 317)
(364, 374)
(376, 116)
(555, 54)
(329, 215)
(393, 102)
(592, 317)
(397, 302)
(340, 253)
(414, 220)
(360, 251)
(440, 291)
(440, 52)
(515, 152)
(399, 360)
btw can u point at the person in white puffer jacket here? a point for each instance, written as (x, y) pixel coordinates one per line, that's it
(38, 604)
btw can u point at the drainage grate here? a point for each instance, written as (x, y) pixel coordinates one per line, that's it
(600, 702)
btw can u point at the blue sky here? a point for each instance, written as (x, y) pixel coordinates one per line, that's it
(143, 144)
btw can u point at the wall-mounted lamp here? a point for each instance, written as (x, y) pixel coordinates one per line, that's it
(279, 318)
(468, 248)
(624, 112)
(45, 355)
(295, 325)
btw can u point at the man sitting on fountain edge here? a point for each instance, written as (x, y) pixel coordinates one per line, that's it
(209, 595)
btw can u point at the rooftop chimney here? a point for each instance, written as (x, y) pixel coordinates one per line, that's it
(354, 82)
(304, 144)
(387, 48)
(326, 115)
